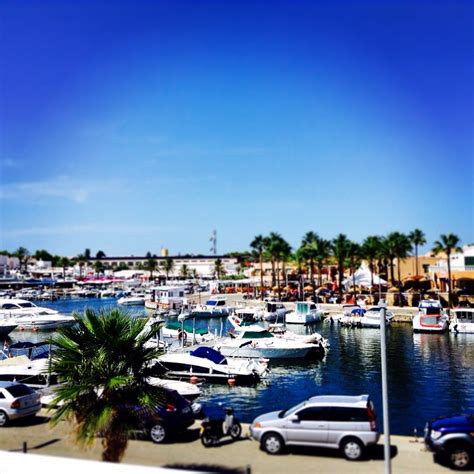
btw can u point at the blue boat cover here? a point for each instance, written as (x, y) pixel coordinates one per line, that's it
(208, 353)
(359, 311)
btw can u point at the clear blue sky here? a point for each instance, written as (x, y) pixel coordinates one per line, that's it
(128, 126)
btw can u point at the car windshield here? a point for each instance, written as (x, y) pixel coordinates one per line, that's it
(290, 411)
(19, 390)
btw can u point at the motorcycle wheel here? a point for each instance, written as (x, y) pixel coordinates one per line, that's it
(207, 440)
(235, 430)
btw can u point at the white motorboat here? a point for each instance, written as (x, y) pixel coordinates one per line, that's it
(107, 293)
(167, 298)
(462, 321)
(190, 391)
(257, 342)
(273, 312)
(137, 299)
(21, 369)
(211, 366)
(215, 307)
(26, 315)
(342, 315)
(371, 318)
(6, 327)
(430, 317)
(305, 312)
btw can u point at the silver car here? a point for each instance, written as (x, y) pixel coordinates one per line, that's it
(341, 422)
(17, 401)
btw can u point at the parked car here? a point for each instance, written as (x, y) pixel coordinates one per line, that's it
(453, 438)
(17, 401)
(174, 416)
(347, 423)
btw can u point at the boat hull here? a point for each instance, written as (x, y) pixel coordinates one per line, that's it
(271, 352)
(462, 328)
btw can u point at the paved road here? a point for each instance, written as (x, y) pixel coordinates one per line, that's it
(409, 456)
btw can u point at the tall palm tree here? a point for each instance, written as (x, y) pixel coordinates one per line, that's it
(81, 260)
(103, 362)
(283, 255)
(309, 251)
(272, 243)
(354, 257)
(448, 243)
(390, 252)
(65, 263)
(23, 254)
(184, 271)
(258, 246)
(218, 268)
(323, 253)
(151, 264)
(417, 238)
(168, 265)
(370, 251)
(340, 249)
(99, 267)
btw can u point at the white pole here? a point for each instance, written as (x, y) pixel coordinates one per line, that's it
(386, 421)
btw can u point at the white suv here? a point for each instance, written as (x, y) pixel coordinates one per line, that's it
(17, 401)
(341, 422)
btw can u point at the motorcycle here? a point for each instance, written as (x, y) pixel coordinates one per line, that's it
(213, 430)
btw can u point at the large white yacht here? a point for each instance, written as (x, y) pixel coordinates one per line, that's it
(26, 315)
(215, 307)
(462, 320)
(136, 299)
(430, 317)
(305, 312)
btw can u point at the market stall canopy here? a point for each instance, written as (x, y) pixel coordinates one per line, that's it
(363, 277)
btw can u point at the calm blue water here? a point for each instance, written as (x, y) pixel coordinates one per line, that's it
(430, 375)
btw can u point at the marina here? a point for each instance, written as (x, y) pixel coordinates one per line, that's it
(429, 374)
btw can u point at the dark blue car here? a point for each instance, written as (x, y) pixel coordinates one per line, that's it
(453, 438)
(174, 416)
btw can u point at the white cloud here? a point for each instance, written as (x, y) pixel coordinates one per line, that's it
(72, 189)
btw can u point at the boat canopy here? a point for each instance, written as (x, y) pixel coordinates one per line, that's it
(188, 328)
(208, 353)
(358, 311)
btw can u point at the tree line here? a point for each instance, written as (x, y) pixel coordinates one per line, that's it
(380, 253)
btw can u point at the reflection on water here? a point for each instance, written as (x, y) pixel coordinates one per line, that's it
(430, 375)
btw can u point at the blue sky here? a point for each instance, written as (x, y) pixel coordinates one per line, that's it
(135, 125)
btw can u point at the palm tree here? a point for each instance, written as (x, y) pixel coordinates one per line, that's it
(390, 252)
(23, 255)
(65, 263)
(309, 251)
(370, 251)
(323, 252)
(99, 267)
(184, 271)
(103, 363)
(283, 255)
(417, 238)
(168, 265)
(340, 249)
(448, 244)
(354, 251)
(81, 261)
(151, 264)
(258, 245)
(272, 243)
(100, 254)
(218, 268)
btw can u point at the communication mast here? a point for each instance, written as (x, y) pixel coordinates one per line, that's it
(213, 241)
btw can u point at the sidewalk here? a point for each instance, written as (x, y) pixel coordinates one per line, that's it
(408, 456)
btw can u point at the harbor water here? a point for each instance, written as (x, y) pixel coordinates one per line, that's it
(430, 375)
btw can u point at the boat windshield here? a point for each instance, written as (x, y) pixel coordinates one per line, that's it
(429, 320)
(256, 334)
(433, 311)
(290, 411)
(26, 304)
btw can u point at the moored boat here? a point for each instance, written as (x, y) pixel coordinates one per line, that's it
(305, 312)
(430, 317)
(462, 321)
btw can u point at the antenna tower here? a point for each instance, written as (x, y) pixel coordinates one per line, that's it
(213, 241)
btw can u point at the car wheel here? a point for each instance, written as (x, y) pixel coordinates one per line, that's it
(459, 456)
(273, 443)
(352, 448)
(158, 433)
(235, 431)
(3, 418)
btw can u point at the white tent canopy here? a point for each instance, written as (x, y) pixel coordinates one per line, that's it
(363, 277)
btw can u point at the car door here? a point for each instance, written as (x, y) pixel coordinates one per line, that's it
(308, 426)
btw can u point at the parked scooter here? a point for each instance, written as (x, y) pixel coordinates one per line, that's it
(213, 430)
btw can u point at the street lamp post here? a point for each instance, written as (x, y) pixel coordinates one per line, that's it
(386, 421)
